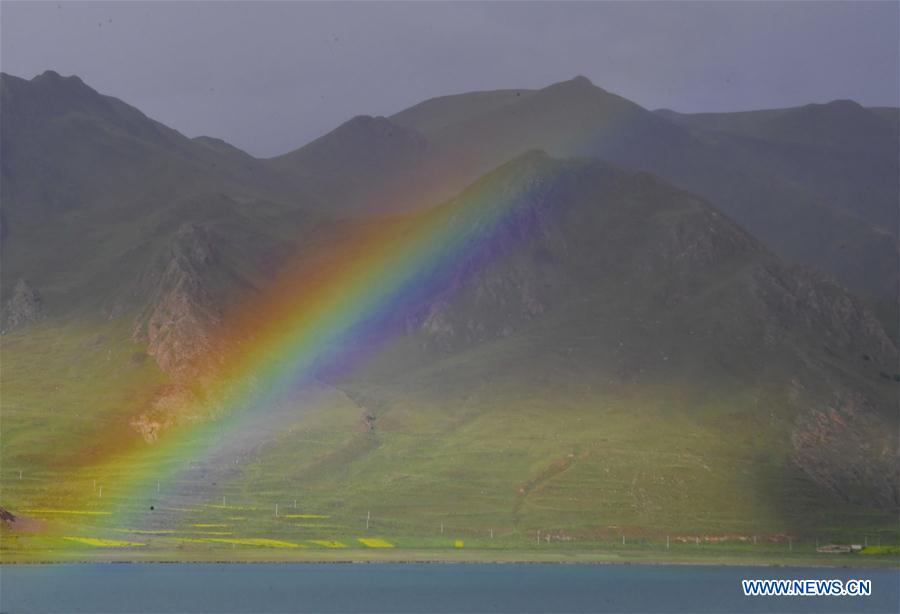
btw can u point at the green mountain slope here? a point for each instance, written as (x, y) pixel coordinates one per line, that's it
(628, 286)
(620, 358)
(638, 365)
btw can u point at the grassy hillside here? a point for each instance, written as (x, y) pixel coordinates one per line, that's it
(582, 460)
(591, 355)
(606, 415)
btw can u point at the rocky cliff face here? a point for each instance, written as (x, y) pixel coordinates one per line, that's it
(805, 301)
(846, 448)
(24, 306)
(497, 305)
(178, 323)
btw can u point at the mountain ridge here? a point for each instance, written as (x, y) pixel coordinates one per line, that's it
(739, 176)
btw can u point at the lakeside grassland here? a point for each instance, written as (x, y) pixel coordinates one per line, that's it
(561, 469)
(803, 555)
(235, 532)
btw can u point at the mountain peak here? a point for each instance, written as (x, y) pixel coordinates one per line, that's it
(579, 83)
(50, 90)
(844, 103)
(48, 74)
(834, 107)
(51, 77)
(581, 80)
(579, 86)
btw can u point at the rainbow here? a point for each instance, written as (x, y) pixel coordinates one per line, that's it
(316, 319)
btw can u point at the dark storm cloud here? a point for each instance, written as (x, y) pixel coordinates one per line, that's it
(269, 77)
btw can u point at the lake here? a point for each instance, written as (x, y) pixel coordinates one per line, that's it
(425, 588)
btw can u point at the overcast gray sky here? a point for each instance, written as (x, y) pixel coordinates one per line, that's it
(269, 77)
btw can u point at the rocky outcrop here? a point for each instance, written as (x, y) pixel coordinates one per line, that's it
(804, 301)
(500, 302)
(188, 289)
(177, 327)
(846, 448)
(24, 307)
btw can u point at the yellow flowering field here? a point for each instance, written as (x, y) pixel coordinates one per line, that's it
(104, 543)
(374, 542)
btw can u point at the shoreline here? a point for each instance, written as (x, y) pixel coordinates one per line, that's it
(429, 558)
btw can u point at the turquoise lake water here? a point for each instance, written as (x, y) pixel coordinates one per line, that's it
(424, 588)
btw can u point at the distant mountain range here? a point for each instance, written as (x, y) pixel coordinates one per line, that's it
(697, 310)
